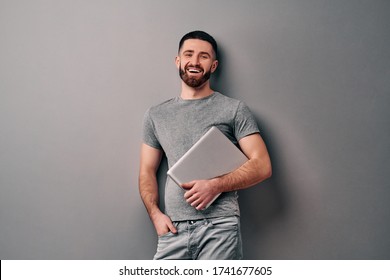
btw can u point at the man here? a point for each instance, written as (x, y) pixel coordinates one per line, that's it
(187, 230)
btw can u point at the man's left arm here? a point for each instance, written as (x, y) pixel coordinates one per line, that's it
(255, 170)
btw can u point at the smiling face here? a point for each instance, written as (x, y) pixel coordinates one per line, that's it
(196, 61)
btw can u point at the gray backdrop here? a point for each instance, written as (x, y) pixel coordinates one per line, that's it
(77, 76)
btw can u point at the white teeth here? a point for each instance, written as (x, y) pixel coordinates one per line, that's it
(194, 71)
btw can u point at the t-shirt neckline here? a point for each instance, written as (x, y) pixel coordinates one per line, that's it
(179, 98)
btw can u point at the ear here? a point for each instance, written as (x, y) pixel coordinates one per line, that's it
(177, 62)
(214, 66)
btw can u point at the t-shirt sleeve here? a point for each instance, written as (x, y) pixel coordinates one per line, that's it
(244, 122)
(149, 133)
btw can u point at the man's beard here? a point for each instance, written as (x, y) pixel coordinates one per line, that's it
(193, 81)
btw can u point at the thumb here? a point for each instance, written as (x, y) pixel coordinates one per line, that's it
(172, 228)
(188, 185)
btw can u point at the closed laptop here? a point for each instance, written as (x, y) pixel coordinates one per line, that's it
(211, 156)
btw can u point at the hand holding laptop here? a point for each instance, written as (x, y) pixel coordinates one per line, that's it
(198, 191)
(213, 155)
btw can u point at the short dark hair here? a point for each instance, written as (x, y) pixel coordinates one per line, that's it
(201, 35)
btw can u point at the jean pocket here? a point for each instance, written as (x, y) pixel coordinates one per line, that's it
(170, 233)
(231, 222)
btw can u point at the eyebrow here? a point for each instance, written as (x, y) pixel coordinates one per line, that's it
(192, 51)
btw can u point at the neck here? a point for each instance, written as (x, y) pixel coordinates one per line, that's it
(188, 92)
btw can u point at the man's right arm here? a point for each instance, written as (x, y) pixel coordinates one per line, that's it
(148, 188)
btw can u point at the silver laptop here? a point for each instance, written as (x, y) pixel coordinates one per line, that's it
(211, 156)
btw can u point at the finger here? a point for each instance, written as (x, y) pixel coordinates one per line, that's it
(200, 207)
(172, 228)
(196, 203)
(162, 231)
(188, 195)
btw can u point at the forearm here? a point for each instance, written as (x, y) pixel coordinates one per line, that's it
(148, 189)
(249, 174)
(149, 193)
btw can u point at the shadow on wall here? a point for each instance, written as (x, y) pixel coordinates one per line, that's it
(262, 205)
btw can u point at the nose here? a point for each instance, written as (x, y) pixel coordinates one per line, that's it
(195, 60)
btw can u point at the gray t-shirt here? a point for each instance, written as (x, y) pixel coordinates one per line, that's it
(175, 125)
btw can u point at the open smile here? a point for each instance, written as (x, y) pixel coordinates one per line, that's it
(194, 70)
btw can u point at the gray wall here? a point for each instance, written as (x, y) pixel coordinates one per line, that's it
(77, 76)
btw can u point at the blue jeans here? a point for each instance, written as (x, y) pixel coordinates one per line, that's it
(205, 239)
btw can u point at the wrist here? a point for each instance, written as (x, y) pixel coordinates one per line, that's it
(216, 185)
(155, 213)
